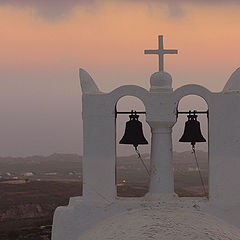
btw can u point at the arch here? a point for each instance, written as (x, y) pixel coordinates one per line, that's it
(182, 175)
(129, 177)
(130, 90)
(192, 89)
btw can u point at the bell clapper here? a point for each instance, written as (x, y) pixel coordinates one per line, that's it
(143, 163)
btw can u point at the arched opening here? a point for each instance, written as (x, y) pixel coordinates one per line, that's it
(132, 179)
(190, 173)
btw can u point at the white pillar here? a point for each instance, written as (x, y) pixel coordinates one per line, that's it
(99, 157)
(162, 179)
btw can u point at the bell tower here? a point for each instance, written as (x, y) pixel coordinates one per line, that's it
(99, 200)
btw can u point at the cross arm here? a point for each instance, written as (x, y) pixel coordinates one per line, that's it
(170, 51)
(151, 51)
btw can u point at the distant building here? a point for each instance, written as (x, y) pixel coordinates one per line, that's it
(51, 174)
(191, 169)
(28, 174)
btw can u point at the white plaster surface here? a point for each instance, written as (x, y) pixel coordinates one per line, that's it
(87, 83)
(99, 140)
(161, 82)
(171, 223)
(233, 84)
(83, 219)
(162, 180)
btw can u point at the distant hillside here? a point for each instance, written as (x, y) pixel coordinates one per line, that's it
(59, 162)
(61, 165)
(63, 157)
(180, 159)
(36, 159)
(186, 160)
(69, 166)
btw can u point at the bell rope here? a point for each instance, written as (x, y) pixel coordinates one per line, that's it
(199, 171)
(143, 163)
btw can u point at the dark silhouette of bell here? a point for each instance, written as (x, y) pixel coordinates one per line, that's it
(192, 132)
(133, 132)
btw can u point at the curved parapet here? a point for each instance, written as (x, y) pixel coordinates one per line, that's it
(129, 90)
(87, 83)
(233, 84)
(192, 89)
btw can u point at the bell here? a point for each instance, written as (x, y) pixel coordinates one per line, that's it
(133, 132)
(192, 132)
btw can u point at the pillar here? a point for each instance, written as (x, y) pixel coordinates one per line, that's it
(162, 179)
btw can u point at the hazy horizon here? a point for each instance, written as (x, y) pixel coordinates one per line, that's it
(63, 153)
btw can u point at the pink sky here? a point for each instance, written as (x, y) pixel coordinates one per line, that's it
(43, 46)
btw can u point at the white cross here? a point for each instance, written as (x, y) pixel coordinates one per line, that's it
(160, 51)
